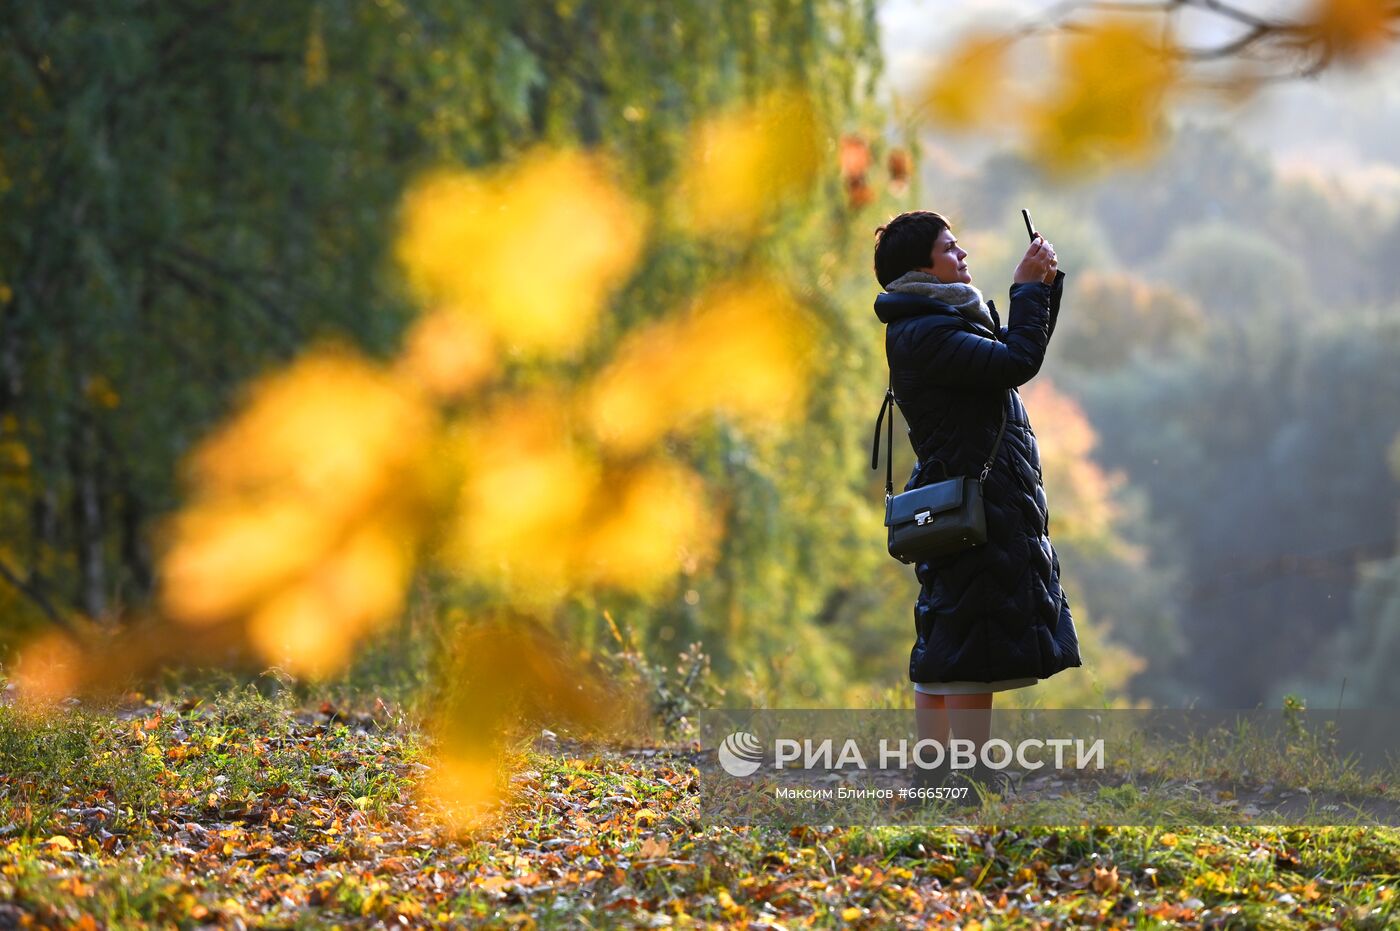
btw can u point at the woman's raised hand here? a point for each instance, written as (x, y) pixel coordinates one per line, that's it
(1038, 264)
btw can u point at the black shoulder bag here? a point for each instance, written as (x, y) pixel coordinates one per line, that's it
(937, 519)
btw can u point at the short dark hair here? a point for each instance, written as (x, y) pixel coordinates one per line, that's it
(906, 243)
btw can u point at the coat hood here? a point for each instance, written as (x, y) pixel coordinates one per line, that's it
(892, 305)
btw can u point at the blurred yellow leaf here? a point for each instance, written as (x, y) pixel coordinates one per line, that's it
(746, 164)
(743, 349)
(1353, 28)
(654, 522)
(365, 577)
(222, 557)
(541, 514)
(533, 249)
(331, 430)
(306, 512)
(449, 352)
(49, 669)
(297, 629)
(506, 667)
(1108, 103)
(465, 789)
(527, 490)
(969, 87)
(311, 626)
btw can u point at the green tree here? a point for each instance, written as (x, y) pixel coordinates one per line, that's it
(192, 192)
(207, 189)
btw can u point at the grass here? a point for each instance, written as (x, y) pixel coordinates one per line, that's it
(254, 808)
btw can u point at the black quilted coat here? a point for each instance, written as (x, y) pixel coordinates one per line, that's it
(994, 611)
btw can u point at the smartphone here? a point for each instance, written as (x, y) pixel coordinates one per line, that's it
(1030, 230)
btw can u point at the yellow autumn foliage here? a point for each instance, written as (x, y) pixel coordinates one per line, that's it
(308, 511)
(449, 352)
(741, 349)
(532, 249)
(301, 518)
(332, 430)
(657, 520)
(1108, 101)
(540, 513)
(48, 670)
(1082, 492)
(1353, 28)
(971, 86)
(504, 667)
(745, 165)
(527, 491)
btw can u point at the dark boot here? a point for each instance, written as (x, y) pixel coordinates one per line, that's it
(943, 786)
(1000, 782)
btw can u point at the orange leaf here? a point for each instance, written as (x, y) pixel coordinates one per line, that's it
(1105, 880)
(651, 847)
(1353, 28)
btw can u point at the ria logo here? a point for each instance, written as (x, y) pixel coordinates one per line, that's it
(741, 754)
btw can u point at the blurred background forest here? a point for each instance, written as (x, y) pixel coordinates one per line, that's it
(194, 196)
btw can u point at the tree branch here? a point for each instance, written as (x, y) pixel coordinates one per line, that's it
(1268, 34)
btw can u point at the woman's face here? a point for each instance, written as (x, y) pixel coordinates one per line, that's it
(947, 260)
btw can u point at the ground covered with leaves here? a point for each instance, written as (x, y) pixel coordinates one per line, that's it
(241, 811)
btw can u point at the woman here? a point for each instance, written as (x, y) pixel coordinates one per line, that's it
(991, 617)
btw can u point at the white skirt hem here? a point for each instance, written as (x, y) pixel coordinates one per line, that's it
(972, 688)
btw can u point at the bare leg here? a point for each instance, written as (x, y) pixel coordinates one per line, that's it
(931, 716)
(970, 717)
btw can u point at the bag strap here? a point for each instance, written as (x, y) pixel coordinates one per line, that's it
(888, 405)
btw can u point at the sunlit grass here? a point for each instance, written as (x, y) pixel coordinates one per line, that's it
(210, 784)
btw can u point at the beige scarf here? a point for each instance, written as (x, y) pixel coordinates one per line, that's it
(962, 297)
